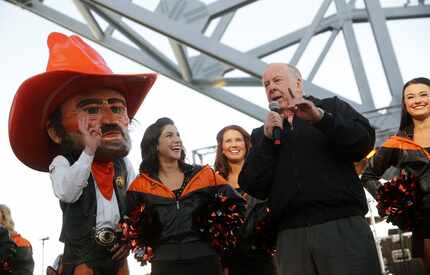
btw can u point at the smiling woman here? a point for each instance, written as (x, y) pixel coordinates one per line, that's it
(409, 151)
(176, 192)
(233, 144)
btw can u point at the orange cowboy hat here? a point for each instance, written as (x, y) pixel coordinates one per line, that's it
(73, 67)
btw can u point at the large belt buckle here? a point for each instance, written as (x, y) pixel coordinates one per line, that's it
(105, 237)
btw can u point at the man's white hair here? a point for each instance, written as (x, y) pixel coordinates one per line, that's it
(294, 71)
(294, 75)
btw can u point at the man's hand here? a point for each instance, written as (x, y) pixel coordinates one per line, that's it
(306, 110)
(303, 108)
(91, 134)
(273, 119)
(120, 251)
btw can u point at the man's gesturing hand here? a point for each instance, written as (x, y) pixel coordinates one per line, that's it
(303, 108)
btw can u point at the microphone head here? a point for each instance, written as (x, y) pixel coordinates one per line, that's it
(274, 106)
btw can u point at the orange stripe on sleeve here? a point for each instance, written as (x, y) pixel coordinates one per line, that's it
(404, 144)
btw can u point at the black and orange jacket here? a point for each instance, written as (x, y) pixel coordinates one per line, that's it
(15, 252)
(179, 238)
(24, 263)
(403, 154)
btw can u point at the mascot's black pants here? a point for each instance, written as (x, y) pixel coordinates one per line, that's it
(89, 258)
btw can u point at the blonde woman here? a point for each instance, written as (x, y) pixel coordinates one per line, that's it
(22, 261)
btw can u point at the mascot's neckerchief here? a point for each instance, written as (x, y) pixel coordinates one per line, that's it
(404, 144)
(103, 173)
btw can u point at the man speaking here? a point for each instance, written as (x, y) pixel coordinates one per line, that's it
(318, 204)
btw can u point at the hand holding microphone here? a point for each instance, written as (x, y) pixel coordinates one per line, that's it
(273, 124)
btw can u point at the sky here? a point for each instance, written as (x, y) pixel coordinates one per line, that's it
(28, 193)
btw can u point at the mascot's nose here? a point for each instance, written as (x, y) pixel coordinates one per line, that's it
(108, 117)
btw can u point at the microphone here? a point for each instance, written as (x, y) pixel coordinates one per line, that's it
(276, 133)
(45, 239)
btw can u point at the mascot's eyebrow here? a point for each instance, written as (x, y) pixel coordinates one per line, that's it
(90, 101)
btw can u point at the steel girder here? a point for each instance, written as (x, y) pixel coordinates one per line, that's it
(184, 22)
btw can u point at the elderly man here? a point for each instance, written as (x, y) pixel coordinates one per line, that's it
(73, 121)
(307, 172)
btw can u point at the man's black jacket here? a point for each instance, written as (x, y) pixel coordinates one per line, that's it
(310, 178)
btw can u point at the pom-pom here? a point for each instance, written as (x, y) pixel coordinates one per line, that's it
(264, 235)
(398, 200)
(5, 267)
(220, 222)
(140, 230)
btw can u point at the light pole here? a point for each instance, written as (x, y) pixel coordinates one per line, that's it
(370, 200)
(43, 252)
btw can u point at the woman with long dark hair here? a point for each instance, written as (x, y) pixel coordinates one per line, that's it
(175, 191)
(409, 152)
(233, 143)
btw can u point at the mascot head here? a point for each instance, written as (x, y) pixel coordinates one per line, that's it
(43, 120)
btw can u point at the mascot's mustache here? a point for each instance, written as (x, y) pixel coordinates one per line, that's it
(106, 128)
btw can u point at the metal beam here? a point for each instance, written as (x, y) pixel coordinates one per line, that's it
(230, 82)
(394, 13)
(222, 25)
(181, 58)
(322, 55)
(235, 102)
(385, 120)
(385, 48)
(331, 22)
(89, 18)
(136, 38)
(310, 32)
(317, 91)
(355, 56)
(139, 55)
(185, 36)
(222, 7)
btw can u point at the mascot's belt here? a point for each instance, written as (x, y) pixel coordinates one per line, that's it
(105, 237)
